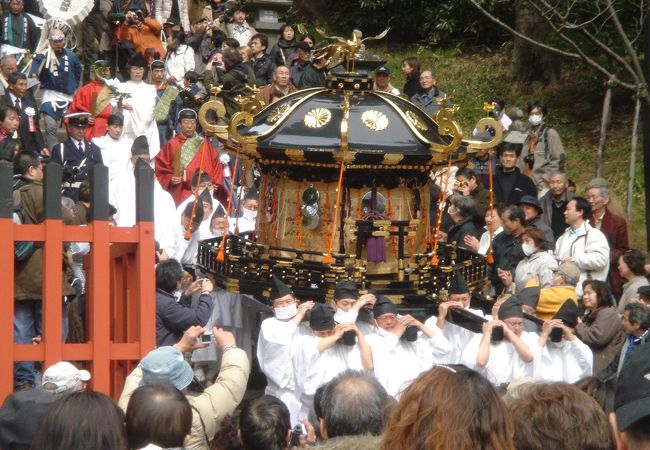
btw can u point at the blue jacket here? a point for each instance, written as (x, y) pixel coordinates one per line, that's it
(65, 80)
(173, 318)
(68, 155)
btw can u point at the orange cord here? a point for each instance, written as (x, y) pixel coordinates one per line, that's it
(188, 232)
(328, 258)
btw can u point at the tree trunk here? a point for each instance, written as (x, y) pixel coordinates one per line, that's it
(635, 140)
(531, 63)
(604, 123)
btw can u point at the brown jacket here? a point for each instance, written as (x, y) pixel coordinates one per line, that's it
(269, 95)
(601, 330)
(29, 273)
(615, 230)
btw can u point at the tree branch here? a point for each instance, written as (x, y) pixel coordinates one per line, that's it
(626, 42)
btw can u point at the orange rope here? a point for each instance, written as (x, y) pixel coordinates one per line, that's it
(441, 208)
(188, 232)
(489, 257)
(328, 258)
(221, 254)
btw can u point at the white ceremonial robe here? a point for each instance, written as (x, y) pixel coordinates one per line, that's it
(243, 224)
(504, 364)
(397, 362)
(566, 361)
(275, 350)
(204, 228)
(121, 194)
(185, 251)
(116, 154)
(140, 121)
(313, 369)
(457, 336)
(352, 316)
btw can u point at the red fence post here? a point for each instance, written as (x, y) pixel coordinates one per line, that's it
(6, 280)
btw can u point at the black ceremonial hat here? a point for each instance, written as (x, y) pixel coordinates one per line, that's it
(458, 285)
(510, 308)
(206, 197)
(383, 305)
(345, 289)
(278, 289)
(568, 313)
(140, 146)
(321, 317)
(205, 177)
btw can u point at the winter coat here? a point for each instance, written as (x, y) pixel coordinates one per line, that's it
(458, 231)
(540, 264)
(629, 291)
(263, 69)
(429, 102)
(174, 317)
(548, 153)
(283, 53)
(615, 230)
(163, 9)
(601, 330)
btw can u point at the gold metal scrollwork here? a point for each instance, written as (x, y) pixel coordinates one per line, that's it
(249, 143)
(277, 113)
(392, 158)
(482, 125)
(317, 118)
(375, 120)
(415, 120)
(295, 154)
(220, 130)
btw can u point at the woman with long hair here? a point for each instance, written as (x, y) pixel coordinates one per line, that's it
(283, 52)
(600, 327)
(449, 408)
(411, 70)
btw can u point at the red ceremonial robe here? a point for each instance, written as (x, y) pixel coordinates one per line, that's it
(84, 101)
(166, 159)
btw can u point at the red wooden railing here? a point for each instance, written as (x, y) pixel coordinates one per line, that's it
(120, 281)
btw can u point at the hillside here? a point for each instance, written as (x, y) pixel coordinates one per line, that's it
(574, 105)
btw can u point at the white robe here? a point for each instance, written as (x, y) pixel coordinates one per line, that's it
(567, 362)
(116, 154)
(121, 194)
(275, 351)
(397, 362)
(504, 364)
(457, 336)
(139, 121)
(313, 369)
(204, 228)
(185, 251)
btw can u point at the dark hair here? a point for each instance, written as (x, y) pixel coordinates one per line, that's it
(638, 313)
(284, 27)
(264, 424)
(231, 43)
(218, 37)
(466, 172)
(15, 76)
(559, 416)
(5, 110)
(499, 101)
(514, 212)
(80, 421)
(500, 207)
(536, 104)
(168, 274)
(431, 408)
(24, 160)
(599, 390)
(178, 35)
(634, 260)
(8, 149)
(603, 294)
(84, 192)
(582, 205)
(508, 147)
(263, 38)
(191, 76)
(354, 403)
(308, 36)
(537, 236)
(318, 399)
(226, 437)
(231, 57)
(413, 62)
(158, 414)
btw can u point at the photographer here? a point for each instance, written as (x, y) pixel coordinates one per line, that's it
(174, 317)
(234, 23)
(76, 154)
(140, 32)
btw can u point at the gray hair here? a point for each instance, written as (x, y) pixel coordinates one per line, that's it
(638, 313)
(465, 205)
(603, 189)
(6, 58)
(355, 403)
(556, 173)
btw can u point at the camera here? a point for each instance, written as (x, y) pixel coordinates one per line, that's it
(70, 173)
(298, 430)
(206, 337)
(495, 113)
(530, 160)
(228, 15)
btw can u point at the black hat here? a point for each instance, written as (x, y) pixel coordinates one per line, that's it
(568, 313)
(383, 305)
(140, 146)
(19, 416)
(303, 46)
(219, 212)
(138, 61)
(532, 201)
(157, 64)
(510, 308)
(458, 285)
(382, 70)
(345, 289)
(115, 119)
(205, 178)
(321, 317)
(644, 290)
(632, 398)
(171, 20)
(252, 194)
(278, 289)
(80, 119)
(187, 113)
(206, 197)
(529, 296)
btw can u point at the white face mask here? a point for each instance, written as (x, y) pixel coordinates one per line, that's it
(341, 316)
(535, 119)
(249, 214)
(528, 249)
(286, 312)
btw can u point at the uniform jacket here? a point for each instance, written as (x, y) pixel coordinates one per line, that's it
(66, 79)
(29, 141)
(67, 154)
(590, 252)
(601, 330)
(210, 407)
(549, 155)
(23, 33)
(615, 230)
(174, 317)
